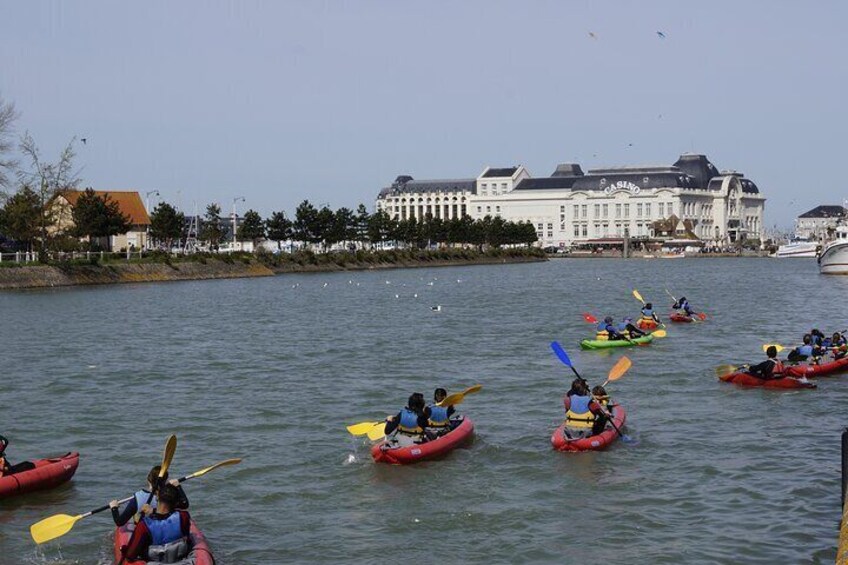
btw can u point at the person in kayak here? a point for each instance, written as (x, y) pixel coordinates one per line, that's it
(838, 346)
(607, 331)
(682, 306)
(161, 535)
(6, 468)
(410, 422)
(649, 317)
(581, 412)
(628, 330)
(438, 420)
(139, 500)
(805, 351)
(817, 337)
(576, 386)
(771, 368)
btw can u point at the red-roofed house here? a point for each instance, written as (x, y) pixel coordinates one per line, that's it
(131, 205)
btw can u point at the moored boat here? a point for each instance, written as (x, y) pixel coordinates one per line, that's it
(821, 370)
(749, 380)
(561, 442)
(608, 343)
(681, 318)
(46, 474)
(461, 434)
(199, 552)
(833, 259)
(797, 248)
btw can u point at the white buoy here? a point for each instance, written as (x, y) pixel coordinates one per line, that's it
(414, 296)
(397, 295)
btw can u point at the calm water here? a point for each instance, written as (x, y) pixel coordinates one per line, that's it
(272, 373)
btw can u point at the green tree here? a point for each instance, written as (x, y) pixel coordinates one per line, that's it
(279, 228)
(325, 222)
(252, 227)
(362, 222)
(381, 226)
(8, 115)
(21, 215)
(166, 224)
(98, 218)
(306, 223)
(210, 230)
(344, 227)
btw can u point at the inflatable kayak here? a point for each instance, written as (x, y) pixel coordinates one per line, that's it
(606, 344)
(199, 553)
(681, 318)
(746, 379)
(386, 452)
(646, 324)
(48, 473)
(822, 370)
(561, 442)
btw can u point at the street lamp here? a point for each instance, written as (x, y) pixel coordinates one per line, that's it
(236, 199)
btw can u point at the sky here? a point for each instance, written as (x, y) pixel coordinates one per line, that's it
(278, 102)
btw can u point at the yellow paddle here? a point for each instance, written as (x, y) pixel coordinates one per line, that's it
(638, 296)
(362, 428)
(60, 524)
(458, 397)
(775, 345)
(659, 333)
(621, 366)
(377, 432)
(723, 370)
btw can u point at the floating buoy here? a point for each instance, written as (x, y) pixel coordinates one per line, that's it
(436, 308)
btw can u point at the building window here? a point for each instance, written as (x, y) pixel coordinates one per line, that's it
(618, 210)
(540, 227)
(627, 210)
(584, 210)
(576, 230)
(606, 210)
(597, 231)
(638, 210)
(550, 235)
(648, 210)
(661, 210)
(503, 187)
(483, 186)
(479, 209)
(497, 209)
(585, 230)
(576, 211)
(597, 210)
(562, 209)
(488, 209)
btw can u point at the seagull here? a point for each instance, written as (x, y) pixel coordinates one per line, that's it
(414, 296)
(430, 283)
(459, 280)
(326, 284)
(388, 282)
(592, 35)
(397, 295)
(349, 282)
(661, 35)
(84, 140)
(436, 308)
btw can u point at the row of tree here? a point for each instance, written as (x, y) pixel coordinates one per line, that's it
(326, 228)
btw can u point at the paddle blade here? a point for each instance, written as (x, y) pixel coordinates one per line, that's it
(618, 370)
(225, 463)
(170, 449)
(472, 389)
(775, 345)
(701, 316)
(361, 428)
(52, 527)
(458, 397)
(560, 352)
(377, 432)
(638, 296)
(672, 296)
(723, 370)
(590, 318)
(659, 333)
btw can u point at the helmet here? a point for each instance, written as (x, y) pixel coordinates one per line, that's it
(608, 319)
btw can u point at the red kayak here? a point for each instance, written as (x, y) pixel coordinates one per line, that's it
(822, 370)
(199, 552)
(561, 442)
(47, 474)
(681, 318)
(745, 379)
(646, 324)
(384, 452)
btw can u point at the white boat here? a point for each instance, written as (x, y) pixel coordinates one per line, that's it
(797, 247)
(833, 259)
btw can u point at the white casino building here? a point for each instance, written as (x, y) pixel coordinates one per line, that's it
(572, 207)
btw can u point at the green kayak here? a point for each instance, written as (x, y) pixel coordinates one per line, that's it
(605, 344)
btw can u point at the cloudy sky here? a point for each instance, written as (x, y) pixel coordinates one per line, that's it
(281, 101)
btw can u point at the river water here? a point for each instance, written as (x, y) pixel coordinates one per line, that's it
(273, 369)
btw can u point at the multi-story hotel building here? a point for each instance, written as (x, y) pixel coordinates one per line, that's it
(689, 199)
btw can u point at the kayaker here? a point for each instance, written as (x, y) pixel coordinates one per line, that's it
(838, 346)
(805, 351)
(599, 395)
(682, 306)
(5, 467)
(649, 317)
(627, 329)
(771, 368)
(139, 500)
(576, 386)
(817, 337)
(439, 418)
(607, 331)
(161, 536)
(580, 412)
(409, 422)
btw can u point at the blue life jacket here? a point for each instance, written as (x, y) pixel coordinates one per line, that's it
(578, 414)
(621, 328)
(166, 530)
(806, 350)
(141, 499)
(648, 312)
(409, 422)
(602, 327)
(439, 416)
(817, 340)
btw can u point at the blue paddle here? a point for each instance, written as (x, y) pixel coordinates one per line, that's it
(616, 373)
